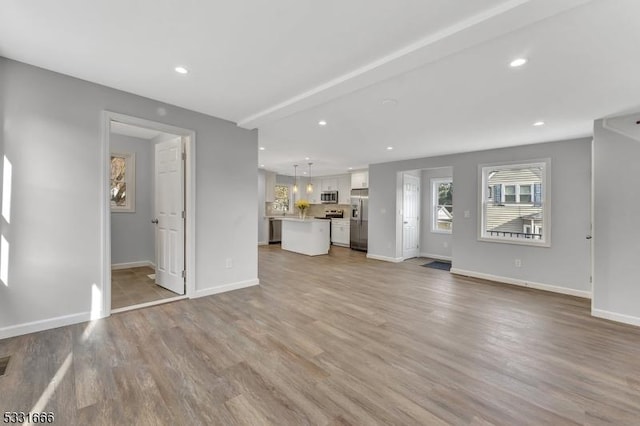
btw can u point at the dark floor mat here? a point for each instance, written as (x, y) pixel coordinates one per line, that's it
(436, 264)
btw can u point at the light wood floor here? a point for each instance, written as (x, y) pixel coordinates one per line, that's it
(133, 286)
(337, 339)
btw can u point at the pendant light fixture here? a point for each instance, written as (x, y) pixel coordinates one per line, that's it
(309, 185)
(295, 178)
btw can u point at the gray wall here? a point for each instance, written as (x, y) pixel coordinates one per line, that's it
(51, 134)
(564, 264)
(132, 233)
(433, 243)
(616, 236)
(263, 231)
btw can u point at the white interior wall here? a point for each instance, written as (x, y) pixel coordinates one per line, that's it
(616, 235)
(433, 244)
(564, 266)
(51, 136)
(132, 233)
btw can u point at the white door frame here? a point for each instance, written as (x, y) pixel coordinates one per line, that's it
(418, 222)
(189, 136)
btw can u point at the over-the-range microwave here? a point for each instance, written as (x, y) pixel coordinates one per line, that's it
(329, 197)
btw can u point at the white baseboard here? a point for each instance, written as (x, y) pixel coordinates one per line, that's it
(436, 256)
(148, 304)
(613, 316)
(523, 283)
(385, 258)
(128, 265)
(225, 288)
(46, 324)
(263, 243)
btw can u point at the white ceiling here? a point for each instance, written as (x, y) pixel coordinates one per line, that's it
(282, 65)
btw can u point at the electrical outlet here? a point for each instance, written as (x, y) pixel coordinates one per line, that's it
(518, 263)
(229, 263)
(445, 244)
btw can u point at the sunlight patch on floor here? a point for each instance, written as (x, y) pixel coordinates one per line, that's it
(42, 402)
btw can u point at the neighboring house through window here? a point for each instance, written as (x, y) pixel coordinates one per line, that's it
(515, 206)
(281, 202)
(442, 205)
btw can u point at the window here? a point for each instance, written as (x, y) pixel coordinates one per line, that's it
(512, 193)
(515, 204)
(281, 202)
(442, 203)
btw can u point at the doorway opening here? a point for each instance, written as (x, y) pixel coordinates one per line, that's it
(148, 220)
(426, 220)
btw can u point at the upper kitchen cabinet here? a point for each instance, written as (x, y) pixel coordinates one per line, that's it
(330, 184)
(269, 187)
(360, 179)
(344, 189)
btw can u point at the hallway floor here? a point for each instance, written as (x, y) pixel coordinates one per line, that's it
(133, 286)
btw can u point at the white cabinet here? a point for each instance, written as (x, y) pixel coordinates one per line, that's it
(341, 183)
(269, 187)
(360, 179)
(344, 189)
(330, 184)
(340, 232)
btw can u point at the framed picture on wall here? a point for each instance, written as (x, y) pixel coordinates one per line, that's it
(123, 182)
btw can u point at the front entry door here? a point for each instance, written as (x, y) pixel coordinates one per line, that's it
(169, 219)
(411, 217)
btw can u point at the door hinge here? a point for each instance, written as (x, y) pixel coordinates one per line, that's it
(184, 155)
(184, 274)
(183, 215)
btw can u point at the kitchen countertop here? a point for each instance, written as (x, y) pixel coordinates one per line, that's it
(297, 219)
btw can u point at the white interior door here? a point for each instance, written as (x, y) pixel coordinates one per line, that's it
(169, 208)
(411, 216)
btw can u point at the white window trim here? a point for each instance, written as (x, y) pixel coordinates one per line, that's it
(434, 204)
(546, 202)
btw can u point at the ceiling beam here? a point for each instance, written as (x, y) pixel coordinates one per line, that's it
(490, 24)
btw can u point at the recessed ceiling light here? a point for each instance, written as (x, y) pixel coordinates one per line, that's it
(181, 70)
(390, 102)
(389, 148)
(538, 123)
(261, 165)
(304, 173)
(262, 148)
(518, 62)
(307, 158)
(322, 123)
(350, 168)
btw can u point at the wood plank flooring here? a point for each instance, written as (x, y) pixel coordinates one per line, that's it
(336, 340)
(133, 286)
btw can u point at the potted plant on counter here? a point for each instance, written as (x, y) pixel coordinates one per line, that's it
(302, 206)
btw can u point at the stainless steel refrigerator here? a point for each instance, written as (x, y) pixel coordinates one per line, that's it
(359, 219)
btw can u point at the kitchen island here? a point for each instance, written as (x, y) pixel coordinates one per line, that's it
(305, 236)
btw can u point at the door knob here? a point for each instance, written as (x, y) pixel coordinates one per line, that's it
(589, 237)
(154, 221)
